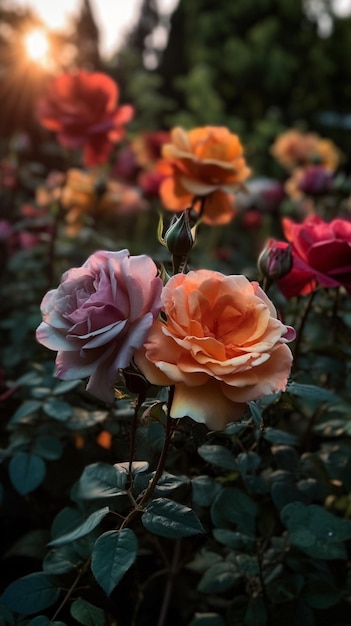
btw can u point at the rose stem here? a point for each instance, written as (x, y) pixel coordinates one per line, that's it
(302, 325)
(173, 570)
(139, 504)
(141, 501)
(138, 403)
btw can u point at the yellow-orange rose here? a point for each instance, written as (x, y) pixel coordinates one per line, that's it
(85, 194)
(221, 346)
(204, 163)
(294, 149)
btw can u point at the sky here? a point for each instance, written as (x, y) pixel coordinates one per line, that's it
(114, 18)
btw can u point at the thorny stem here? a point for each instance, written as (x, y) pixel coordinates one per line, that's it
(139, 401)
(179, 264)
(143, 498)
(170, 582)
(302, 325)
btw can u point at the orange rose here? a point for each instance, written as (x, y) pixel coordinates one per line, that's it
(204, 163)
(294, 149)
(85, 194)
(221, 346)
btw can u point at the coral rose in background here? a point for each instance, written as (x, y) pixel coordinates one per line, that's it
(294, 149)
(321, 255)
(221, 346)
(205, 163)
(99, 315)
(82, 109)
(86, 194)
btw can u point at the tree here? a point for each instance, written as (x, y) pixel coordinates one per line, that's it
(86, 39)
(255, 65)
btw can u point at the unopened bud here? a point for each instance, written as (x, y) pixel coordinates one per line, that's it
(179, 237)
(276, 260)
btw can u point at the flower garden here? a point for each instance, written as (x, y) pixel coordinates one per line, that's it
(175, 374)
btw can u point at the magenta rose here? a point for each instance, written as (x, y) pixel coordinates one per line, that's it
(82, 108)
(99, 315)
(321, 255)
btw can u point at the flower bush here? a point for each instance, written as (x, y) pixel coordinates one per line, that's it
(186, 459)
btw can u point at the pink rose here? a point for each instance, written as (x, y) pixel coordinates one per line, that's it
(99, 315)
(321, 254)
(221, 346)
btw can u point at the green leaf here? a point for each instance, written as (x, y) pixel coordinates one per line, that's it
(218, 455)
(32, 544)
(166, 518)
(248, 462)
(233, 507)
(27, 471)
(316, 531)
(58, 409)
(6, 616)
(65, 521)
(169, 483)
(320, 594)
(233, 539)
(25, 412)
(65, 385)
(204, 490)
(279, 437)
(101, 480)
(156, 436)
(219, 578)
(87, 614)
(207, 619)
(30, 594)
(203, 559)
(48, 447)
(61, 560)
(82, 418)
(83, 529)
(256, 413)
(284, 489)
(312, 392)
(113, 554)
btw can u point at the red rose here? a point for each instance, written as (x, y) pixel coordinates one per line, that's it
(321, 255)
(81, 107)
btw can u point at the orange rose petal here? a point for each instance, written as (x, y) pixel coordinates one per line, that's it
(219, 209)
(150, 371)
(196, 187)
(174, 196)
(206, 404)
(267, 378)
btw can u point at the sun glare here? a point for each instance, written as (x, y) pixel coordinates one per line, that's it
(36, 45)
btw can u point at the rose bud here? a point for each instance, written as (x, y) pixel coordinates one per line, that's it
(275, 261)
